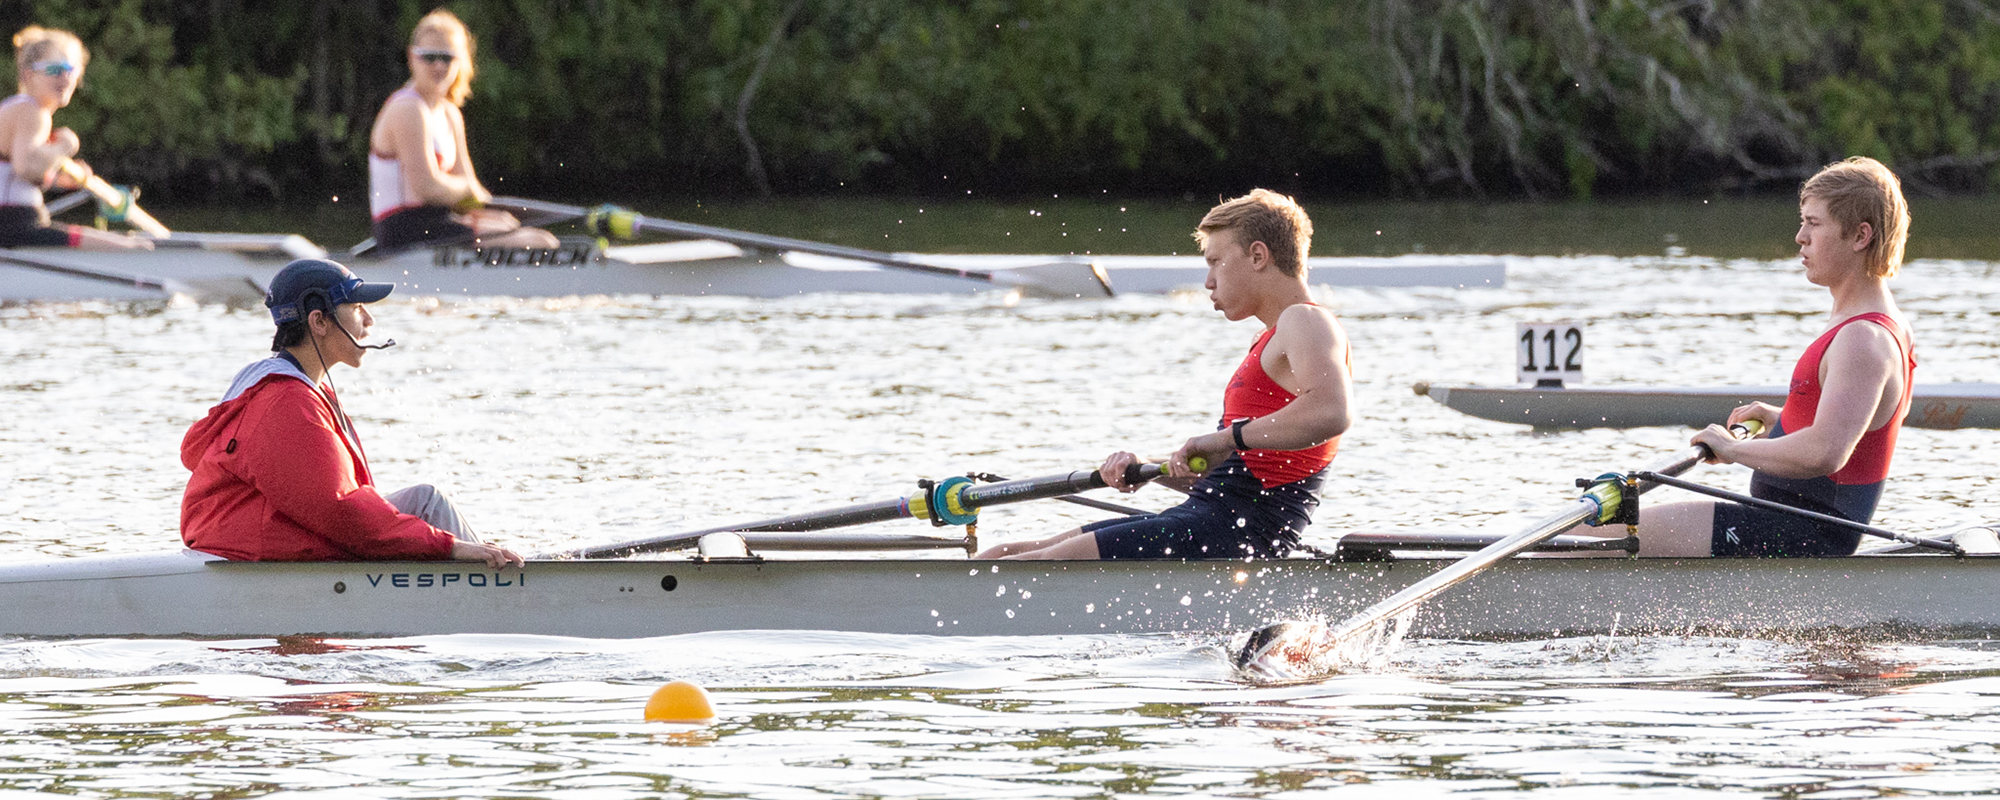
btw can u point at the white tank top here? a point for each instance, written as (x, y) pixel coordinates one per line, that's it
(17, 191)
(385, 175)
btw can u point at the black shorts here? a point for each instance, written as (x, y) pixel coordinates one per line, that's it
(27, 226)
(1742, 531)
(419, 225)
(1228, 514)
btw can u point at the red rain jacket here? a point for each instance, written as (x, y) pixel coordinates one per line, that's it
(274, 480)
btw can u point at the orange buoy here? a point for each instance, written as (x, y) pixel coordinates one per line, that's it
(680, 701)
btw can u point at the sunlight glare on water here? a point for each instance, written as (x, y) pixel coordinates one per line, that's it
(560, 422)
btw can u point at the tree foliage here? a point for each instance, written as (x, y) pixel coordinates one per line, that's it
(1357, 97)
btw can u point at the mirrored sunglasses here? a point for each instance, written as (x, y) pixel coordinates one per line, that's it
(53, 69)
(430, 56)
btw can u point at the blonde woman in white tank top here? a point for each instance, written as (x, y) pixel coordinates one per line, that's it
(49, 65)
(421, 185)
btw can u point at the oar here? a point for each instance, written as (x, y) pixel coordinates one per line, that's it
(163, 285)
(1061, 279)
(1086, 502)
(117, 204)
(1294, 649)
(1667, 480)
(67, 202)
(953, 501)
(1365, 546)
(545, 214)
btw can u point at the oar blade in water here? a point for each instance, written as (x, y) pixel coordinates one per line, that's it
(1296, 651)
(1283, 651)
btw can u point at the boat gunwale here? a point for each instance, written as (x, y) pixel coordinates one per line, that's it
(184, 561)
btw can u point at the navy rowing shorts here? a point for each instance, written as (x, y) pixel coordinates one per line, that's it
(1742, 531)
(420, 225)
(1228, 514)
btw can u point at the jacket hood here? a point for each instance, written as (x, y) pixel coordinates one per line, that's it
(222, 418)
(259, 370)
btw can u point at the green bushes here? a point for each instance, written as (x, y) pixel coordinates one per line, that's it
(1329, 97)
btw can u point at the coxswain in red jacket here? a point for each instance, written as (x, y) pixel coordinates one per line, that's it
(279, 474)
(1282, 415)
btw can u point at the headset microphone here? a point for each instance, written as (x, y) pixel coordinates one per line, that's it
(386, 344)
(350, 337)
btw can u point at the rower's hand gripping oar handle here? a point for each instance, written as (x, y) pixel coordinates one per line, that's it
(115, 204)
(1136, 474)
(1747, 429)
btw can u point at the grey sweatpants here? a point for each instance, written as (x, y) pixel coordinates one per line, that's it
(426, 503)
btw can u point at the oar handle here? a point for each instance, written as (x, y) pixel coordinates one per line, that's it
(1136, 474)
(1747, 429)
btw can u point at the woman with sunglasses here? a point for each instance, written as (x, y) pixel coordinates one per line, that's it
(49, 65)
(421, 186)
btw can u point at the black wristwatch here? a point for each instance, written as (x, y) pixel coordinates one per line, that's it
(1236, 431)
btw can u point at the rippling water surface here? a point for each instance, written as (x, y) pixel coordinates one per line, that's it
(562, 422)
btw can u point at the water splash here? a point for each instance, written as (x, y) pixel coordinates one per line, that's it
(1313, 649)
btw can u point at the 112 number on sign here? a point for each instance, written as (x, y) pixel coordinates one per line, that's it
(1548, 352)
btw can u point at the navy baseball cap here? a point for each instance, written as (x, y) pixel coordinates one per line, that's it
(300, 278)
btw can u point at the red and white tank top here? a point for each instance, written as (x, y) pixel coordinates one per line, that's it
(385, 175)
(17, 191)
(1252, 394)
